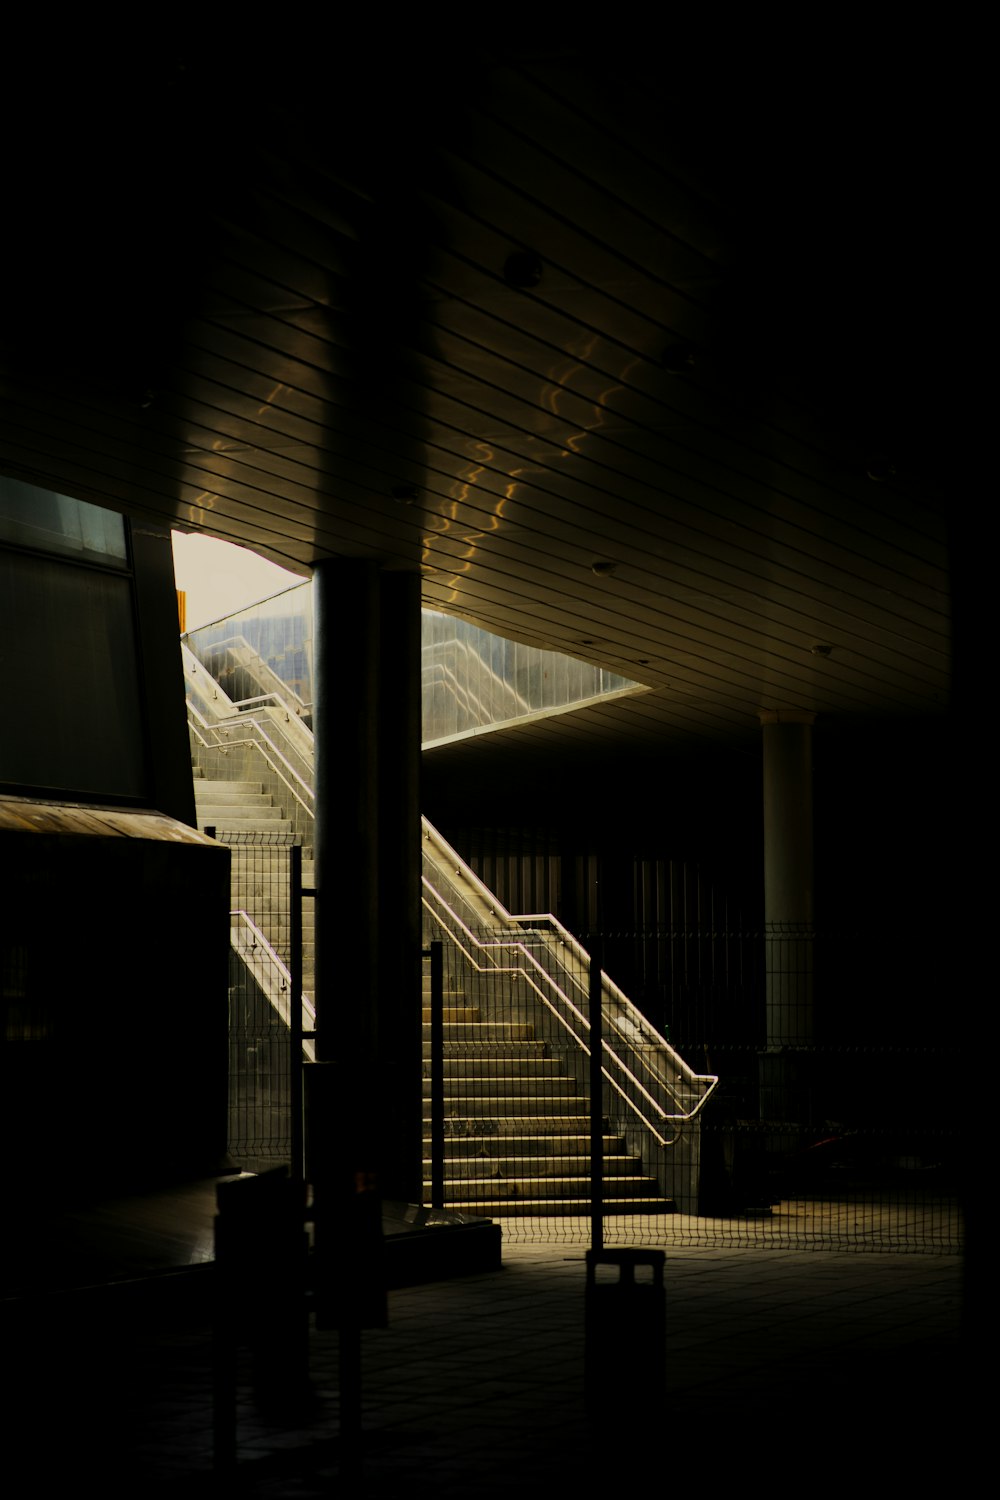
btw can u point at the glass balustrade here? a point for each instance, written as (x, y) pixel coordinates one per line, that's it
(472, 681)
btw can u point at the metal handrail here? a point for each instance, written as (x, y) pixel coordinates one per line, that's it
(631, 1027)
(576, 948)
(465, 695)
(230, 722)
(239, 642)
(261, 698)
(225, 728)
(495, 912)
(519, 972)
(665, 1117)
(278, 963)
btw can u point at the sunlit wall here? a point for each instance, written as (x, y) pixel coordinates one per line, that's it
(472, 681)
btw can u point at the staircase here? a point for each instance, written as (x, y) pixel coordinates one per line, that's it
(517, 1127)
(237, 807)
(516, 1050)
(244, 814)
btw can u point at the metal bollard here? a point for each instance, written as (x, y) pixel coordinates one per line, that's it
(260, 1268)
(625, 1345)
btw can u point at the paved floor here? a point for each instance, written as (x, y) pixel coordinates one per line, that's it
(796, 1367)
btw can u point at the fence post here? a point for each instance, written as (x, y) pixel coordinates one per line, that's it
(295, 1009)
(596, 1108)
(437, 1074)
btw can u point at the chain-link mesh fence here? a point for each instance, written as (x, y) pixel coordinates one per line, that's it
(261, 963)
(819, 1143)
(825, 1142)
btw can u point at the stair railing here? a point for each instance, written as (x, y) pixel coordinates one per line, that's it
(246, 732)
(642, 1068)
(247, 658)
(271, 973)
(650, 1113)
(441, 671)
(227, 727)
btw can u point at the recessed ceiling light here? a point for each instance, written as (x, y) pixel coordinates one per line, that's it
(522, 269)
(603, 569)
(820, 650)
(678, 359)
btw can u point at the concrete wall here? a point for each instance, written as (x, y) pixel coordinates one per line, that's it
(114, 1054)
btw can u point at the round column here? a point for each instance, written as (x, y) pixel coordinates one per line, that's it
(788, 911)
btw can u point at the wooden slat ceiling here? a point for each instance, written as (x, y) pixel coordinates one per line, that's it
(279, 305)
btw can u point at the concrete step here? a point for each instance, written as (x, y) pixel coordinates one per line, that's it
(503, 1086)
(228, 790)
(265, 823)
(453, 1015)
(523, 1168)
(470, 1030)
(238, 812)
(244, 825)
(474, 1051)
(513, 1107)
(505, 1144)
(281, 872)
(221, 794)
(476, 1125)
(227, 794)
(554, 1208)
(621, 1188)
(488, 1071)
(449, 994)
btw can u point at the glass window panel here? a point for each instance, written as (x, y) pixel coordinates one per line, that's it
(78, 722)
(34, 517)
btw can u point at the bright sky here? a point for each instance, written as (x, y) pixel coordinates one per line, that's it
(219, 578)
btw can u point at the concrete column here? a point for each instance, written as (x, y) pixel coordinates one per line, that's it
(346, 668)
(341, 1091)
(368, 914)
(788, 910)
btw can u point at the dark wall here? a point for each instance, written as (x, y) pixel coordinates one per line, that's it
(114, 1053)
(664, 859)
(113, 947)
(659, 859)
(885, 873)
(73, 719)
